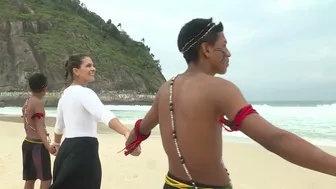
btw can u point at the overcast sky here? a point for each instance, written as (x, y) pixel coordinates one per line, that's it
(281, 49)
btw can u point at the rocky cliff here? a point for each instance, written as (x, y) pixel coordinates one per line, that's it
(38, 36)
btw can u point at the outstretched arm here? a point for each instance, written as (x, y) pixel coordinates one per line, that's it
(143, 128)
(92, 104)
(283, 143)
(150, 120)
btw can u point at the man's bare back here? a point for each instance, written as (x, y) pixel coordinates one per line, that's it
(198, 133)
(28, 110)
(188, 123)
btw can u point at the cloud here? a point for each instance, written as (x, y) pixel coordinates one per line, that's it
(287, 6)
(283, 45)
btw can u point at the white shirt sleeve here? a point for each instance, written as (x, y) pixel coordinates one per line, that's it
(95, 107)
(59, 126)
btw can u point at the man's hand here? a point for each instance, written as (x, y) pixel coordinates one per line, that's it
(51, 149)
(56, 146)
(131, 137)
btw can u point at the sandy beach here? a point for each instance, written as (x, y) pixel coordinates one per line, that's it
(250, 166)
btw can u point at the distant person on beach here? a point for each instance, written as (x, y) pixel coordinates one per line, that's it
(77, 164)
(36, 146)
(192, 107)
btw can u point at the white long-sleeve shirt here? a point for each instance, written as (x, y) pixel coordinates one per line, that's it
(78, 112)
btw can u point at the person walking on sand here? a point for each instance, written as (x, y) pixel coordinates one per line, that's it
(192, 107)
(77, 164)
(36, 146)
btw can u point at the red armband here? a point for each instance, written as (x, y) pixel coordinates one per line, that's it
(139, 138)
(240, 116)
(37, 115)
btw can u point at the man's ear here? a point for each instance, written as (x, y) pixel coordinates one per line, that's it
(205, 49)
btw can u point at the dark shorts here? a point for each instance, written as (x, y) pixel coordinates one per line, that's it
(36, 160)
(77, 165)
(172, 182)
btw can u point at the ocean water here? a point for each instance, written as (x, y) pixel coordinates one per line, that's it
(315, 121)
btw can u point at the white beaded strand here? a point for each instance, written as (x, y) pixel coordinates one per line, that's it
(174, 132)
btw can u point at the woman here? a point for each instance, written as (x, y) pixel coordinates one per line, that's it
(77, 164)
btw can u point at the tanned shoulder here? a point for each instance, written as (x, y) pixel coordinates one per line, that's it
(163, 87)
(224, 88)
(226, 96)
(38, 105)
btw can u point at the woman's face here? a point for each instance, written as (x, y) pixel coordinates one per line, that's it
(86, 72)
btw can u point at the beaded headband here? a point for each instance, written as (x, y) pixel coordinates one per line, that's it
(44, 85)
(197, 38)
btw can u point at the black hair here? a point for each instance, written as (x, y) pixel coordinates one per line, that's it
(74, 61)
(37, 82)
(194, 33)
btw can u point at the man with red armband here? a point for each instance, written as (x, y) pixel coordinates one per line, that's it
(36, 146)
(189, 109)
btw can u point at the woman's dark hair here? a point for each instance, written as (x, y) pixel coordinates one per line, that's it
(194, 33)
(74, 61)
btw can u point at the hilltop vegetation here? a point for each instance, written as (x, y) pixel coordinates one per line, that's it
(57, 28)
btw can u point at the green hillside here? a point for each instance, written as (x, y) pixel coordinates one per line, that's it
(57, 28)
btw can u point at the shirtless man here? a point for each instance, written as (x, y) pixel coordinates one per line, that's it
(188, 108)
(35, 147)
